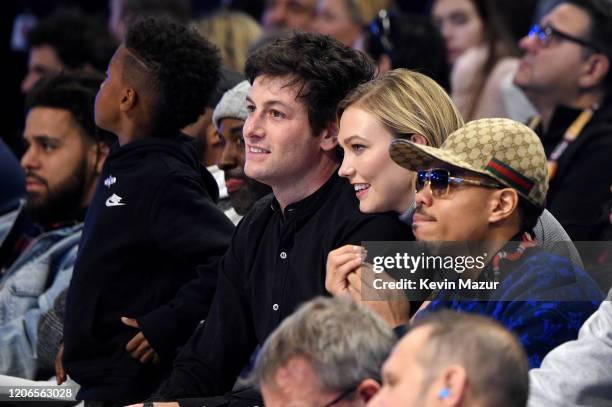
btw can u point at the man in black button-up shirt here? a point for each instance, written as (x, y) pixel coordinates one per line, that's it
(277, 256)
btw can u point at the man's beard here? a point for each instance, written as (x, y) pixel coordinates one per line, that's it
(61, 203)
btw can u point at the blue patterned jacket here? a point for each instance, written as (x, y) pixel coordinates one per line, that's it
(543, 298)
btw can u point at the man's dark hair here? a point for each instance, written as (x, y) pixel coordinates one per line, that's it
(179, 66)
(78, 39)
(411, 42)
(323, 68)
(73, 91)
(178, 10)
(492, 356)
(600, 30)
(529, 214)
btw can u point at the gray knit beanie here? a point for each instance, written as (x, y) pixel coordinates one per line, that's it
(232, 104)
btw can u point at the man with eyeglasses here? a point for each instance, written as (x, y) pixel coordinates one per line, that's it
(566, 74)
(328, 353)
(487, 185)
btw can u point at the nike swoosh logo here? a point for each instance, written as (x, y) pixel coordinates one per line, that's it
(114, 200)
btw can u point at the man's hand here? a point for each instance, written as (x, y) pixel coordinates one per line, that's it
(60, 373)
(158, 404)
(340, 263)
(139, 347)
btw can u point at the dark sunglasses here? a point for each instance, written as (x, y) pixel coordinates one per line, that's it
(440, 181)
(545, 34)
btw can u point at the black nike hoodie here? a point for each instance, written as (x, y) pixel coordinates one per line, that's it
(151, 221)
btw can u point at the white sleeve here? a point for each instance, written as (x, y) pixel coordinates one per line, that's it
(578, 373)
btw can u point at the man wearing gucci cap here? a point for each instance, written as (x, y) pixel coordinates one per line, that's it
(487, 184)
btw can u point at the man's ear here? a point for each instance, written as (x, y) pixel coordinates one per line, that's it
(419, 139)
(503, 204)
(367, 389)
(454, 386)
(329, 137)
(129, 98)
(596, 69)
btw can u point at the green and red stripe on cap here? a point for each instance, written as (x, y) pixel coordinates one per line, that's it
(512, 177)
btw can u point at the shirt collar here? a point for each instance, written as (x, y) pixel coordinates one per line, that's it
(311, 202)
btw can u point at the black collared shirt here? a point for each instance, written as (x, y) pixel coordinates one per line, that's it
(275, 262)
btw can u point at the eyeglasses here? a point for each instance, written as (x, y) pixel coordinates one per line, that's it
(545, 34)
(440, 180)
(341, 397)
(381, 28)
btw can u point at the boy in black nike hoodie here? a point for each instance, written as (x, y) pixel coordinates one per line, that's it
(151, 221)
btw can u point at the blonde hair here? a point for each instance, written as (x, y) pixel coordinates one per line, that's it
(407, 103)
(364, 11)
(233, 32)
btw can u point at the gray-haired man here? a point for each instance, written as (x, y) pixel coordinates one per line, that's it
(330, 352)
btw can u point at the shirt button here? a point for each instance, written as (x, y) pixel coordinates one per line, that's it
(283, 255)
(275, 307)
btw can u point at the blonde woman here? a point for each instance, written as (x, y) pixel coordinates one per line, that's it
(399, 104)
(234, 33)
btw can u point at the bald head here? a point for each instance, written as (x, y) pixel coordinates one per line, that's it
(455, 359)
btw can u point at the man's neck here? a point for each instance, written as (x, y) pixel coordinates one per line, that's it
(546, 106)
(67, 219)
(132, 131)
(490, 245)
(293, 190)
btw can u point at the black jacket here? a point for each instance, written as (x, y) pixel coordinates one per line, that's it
(151, 221)
(580, 190)
(275, 262)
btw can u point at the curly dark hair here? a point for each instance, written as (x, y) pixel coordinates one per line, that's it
(325, 70)
(180, 66)
(74, 91)
(78, 39)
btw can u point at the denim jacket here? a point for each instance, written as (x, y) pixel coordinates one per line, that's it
(27, 290)
(6, 223)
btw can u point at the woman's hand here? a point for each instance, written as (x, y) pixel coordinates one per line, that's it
(340, 263)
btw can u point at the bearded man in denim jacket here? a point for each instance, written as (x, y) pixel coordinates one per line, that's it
(64, 157)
